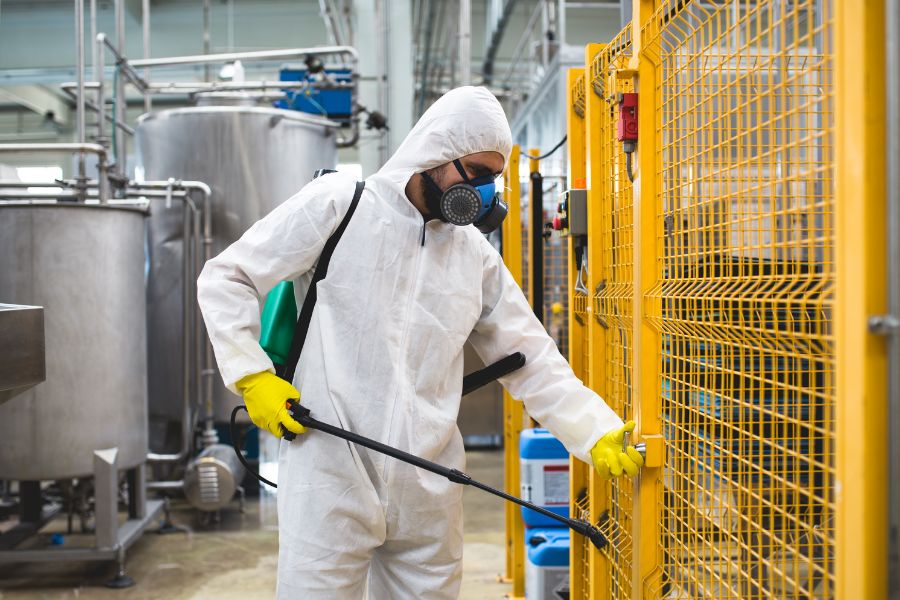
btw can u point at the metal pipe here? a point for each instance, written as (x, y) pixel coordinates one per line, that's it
(97, 149)
(121, 149)
(244, 56)
(465, 42)
(520, 47)
(15, 183)
(79, 74)
(209, 371)
(382, 61)
(68, 89)
(90, 194)
(68, 86)
(160, 486)
(561, 24)
(99, 76)
(91, 184)
(325, 13)
(122, 62)
(183, 86)
(120, 25)
(206, 37)
(545, 32)
(341, 141)
(496, 37)
(145, 26)
(423, 76)
(892, 48)
(94, 49)
(42, 195)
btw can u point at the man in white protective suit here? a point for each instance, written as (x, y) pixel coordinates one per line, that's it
(383, 357)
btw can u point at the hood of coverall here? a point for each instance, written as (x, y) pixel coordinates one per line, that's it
(463, 121)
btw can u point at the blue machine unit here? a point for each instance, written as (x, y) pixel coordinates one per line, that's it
(547, 567)
(335, 104)
(544, 476)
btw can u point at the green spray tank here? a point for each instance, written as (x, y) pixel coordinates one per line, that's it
(279, 317)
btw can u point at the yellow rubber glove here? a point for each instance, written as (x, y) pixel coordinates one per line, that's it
(610, 456)
(266, 396)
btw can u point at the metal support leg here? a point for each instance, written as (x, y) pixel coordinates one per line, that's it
(106, 497)
(121, 579)
(167, 526)
(30, 503)
(137, 492)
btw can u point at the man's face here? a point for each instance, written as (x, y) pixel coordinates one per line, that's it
(480, 164)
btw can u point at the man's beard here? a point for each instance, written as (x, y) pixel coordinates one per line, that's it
(431, 195)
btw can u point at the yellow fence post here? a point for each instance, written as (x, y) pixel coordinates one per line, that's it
(534, 166)
(513, 412)
(576, 179)
(647, 364)
(861, 412)
(579, 473)
(597, 176)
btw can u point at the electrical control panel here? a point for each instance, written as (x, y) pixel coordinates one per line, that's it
(571, 213)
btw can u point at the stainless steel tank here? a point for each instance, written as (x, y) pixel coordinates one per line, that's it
(253, 158)
(85, 265)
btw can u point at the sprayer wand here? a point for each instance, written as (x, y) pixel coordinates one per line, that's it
(301, 414)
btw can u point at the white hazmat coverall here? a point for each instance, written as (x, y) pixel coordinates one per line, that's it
(384, 358)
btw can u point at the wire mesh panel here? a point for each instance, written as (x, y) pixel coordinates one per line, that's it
(613, 299)
(579, 348)
(745, 227)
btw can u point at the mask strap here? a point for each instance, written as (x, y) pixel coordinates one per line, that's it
(461, 170)
(430, 182)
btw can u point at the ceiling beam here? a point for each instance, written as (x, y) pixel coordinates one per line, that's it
(38, 99)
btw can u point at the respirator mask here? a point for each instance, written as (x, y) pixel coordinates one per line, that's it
(473, 201)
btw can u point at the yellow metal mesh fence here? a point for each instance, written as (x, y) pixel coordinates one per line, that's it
(613, 298)
(581, 501)
(745, 231)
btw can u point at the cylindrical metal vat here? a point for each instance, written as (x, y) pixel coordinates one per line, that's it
(253, 158)
(211, 479)
(85, 265)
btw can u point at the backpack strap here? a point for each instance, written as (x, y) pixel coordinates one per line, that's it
(309, 303)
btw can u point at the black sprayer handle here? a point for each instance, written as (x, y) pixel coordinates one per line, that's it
(504, 366)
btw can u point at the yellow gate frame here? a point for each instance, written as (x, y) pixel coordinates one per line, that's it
(854, 210)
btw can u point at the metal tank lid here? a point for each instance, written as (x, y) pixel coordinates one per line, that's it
(279, 113)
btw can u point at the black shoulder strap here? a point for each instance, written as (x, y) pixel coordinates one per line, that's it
(309, 302)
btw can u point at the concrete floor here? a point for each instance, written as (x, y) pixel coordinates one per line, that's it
(236, 558)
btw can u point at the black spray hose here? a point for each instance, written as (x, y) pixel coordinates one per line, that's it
(237, 445)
